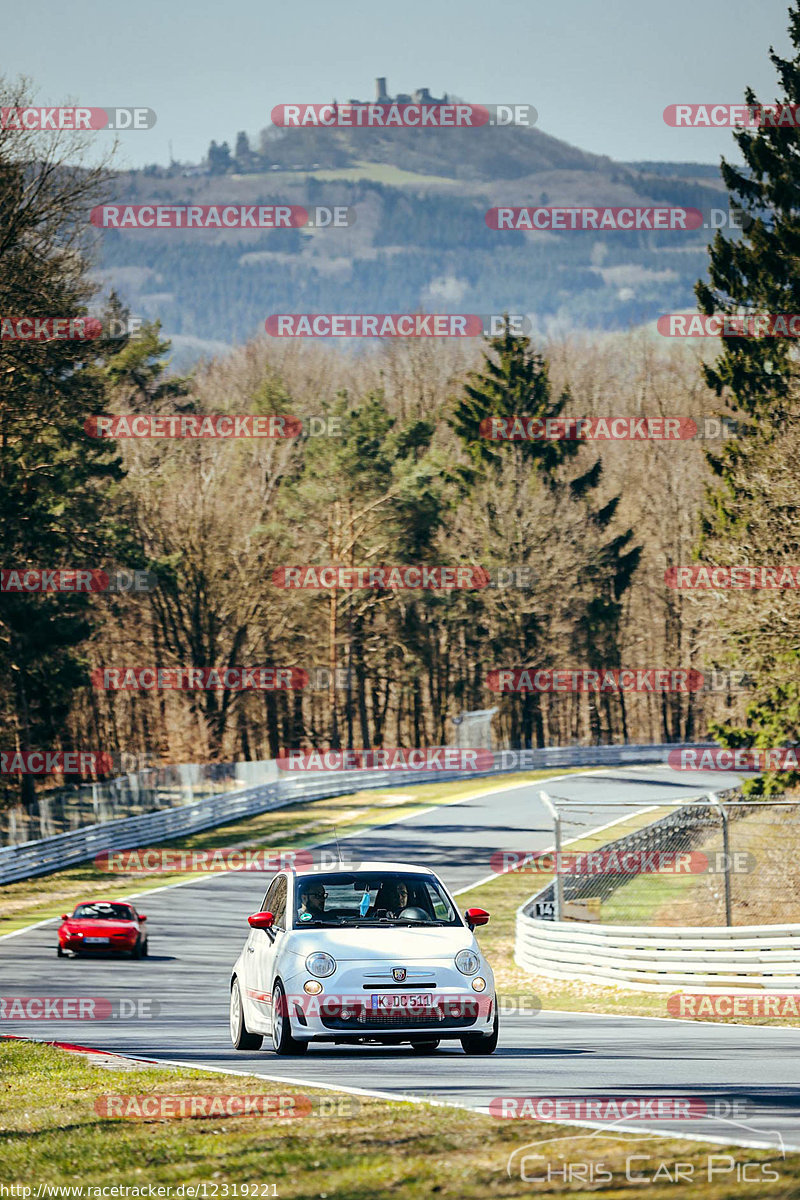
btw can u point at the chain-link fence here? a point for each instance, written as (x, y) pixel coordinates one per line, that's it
(718, 860)
(148, 790)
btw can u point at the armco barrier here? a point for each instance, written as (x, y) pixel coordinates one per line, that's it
(650, 959)
(64, 849)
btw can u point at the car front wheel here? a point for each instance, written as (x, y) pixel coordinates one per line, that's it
(240, 1035)
(282, 1040)
(482, 1043)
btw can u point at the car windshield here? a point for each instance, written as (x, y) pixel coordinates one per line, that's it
(105, 912)
(372, 898)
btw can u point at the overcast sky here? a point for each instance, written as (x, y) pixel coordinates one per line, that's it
(599, 74)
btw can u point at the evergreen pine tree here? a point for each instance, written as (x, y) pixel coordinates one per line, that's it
(515, 382)
(58, 486)
(756, 272)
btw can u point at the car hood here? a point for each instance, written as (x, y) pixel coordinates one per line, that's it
(395, 944)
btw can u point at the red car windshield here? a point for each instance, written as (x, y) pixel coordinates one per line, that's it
(104, 912)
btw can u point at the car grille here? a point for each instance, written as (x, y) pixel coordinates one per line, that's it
(447, 1016)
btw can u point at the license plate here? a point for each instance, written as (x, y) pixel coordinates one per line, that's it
(402, 1000)
(97, 941)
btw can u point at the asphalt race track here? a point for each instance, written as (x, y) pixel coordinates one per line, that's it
(197, 930)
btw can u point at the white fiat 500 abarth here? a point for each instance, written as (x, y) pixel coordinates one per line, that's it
(373, 953)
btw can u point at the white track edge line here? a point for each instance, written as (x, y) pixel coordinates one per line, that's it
(482, 1110)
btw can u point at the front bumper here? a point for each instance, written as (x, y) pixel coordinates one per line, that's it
(79, 943)
(347, 1009)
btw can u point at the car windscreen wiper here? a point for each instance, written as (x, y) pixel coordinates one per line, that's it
(398, 921)
(320, 924)
(410, 921)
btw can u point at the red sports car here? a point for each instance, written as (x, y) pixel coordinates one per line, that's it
(103, 926)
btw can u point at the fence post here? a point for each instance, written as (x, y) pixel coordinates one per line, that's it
(726, 864)
(559, 880)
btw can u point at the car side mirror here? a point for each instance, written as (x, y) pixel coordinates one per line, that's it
(476, 916)
(142, 917)
(261, 920)
(64, 916)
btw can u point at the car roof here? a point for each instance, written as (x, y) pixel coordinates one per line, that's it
(101, 903)
(335, 869)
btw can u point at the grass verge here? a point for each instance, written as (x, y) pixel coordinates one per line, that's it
(51, 1134)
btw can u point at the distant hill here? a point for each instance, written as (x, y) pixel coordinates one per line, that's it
(420, 238)
(483, 153)
(708, 171)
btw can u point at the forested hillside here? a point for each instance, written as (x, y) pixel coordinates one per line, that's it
(392, 465)
(419, 241)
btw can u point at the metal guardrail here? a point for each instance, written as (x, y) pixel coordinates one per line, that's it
(652, 959)
(45, 855)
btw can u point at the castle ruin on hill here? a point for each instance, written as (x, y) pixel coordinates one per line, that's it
(420, 96)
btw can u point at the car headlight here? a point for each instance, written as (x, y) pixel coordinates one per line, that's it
(322, 965)
(467, 962)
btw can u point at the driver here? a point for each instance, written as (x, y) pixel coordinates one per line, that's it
(312, 899)
(393, 898)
